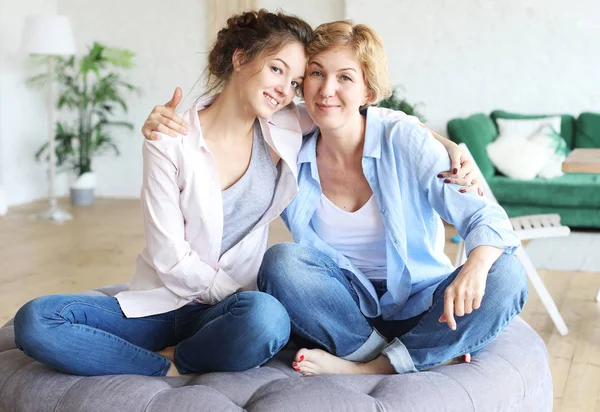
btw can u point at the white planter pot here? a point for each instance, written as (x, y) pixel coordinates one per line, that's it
(82, 190)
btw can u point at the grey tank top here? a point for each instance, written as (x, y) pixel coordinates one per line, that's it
(248, 199)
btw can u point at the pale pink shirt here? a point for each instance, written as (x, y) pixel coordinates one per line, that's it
(183, 218)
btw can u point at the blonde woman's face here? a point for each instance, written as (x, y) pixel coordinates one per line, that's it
(269, 83)
(334, 88)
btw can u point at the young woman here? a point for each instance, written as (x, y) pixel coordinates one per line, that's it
(207, 202)
(367, 283)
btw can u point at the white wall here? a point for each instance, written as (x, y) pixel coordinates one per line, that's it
(23, 121)
(456, 56)
(464, 56)
(314, 12)
(169, 42)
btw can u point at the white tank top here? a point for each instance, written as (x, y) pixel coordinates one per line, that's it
(360, 235)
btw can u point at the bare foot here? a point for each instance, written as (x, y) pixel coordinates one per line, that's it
(318, 362)
(170, 353)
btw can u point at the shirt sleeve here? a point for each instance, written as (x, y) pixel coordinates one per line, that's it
(178, 266)
(477, 220)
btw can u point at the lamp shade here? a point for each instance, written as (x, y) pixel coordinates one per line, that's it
(49, 35)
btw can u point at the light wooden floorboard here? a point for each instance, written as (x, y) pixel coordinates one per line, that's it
(100, 245)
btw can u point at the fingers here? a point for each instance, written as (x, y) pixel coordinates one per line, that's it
(456, 161)
(165, 130)
(469, 183)
(467, 166)
(161, 114)
(459, 305)
(174, 125)
(175, 100)
(477, 302)
(449, 309)
(468, 305)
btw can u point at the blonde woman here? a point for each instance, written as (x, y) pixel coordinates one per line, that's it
(367, 285)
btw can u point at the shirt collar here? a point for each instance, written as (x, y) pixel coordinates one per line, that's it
(372, 134)
(372, 148)
(308, 151)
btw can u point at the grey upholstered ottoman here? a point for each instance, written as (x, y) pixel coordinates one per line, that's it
(511, 374)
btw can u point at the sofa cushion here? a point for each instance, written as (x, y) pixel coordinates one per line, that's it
(587, 130)
(570, 190)
(476, 132)
(567, 127)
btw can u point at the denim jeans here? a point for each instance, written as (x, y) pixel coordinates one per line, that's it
(90, 335)
(323, 309)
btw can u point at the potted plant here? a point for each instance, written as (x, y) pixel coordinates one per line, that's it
(396, 103)
(91, 90)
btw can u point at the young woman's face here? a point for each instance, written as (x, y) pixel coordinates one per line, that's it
(334, 88)
(269, 83)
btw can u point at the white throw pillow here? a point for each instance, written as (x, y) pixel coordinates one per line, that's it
(518, 158)
(524, 128)
(524, 149)
(547, 137)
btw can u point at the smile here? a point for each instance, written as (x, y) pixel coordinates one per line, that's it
(272, 102)
(327, 107)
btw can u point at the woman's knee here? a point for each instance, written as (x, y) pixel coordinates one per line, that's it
(32, 324)
(264, 316)
(278, 265)
(507, 279)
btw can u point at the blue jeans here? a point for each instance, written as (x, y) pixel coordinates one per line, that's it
(90, 335)
(324, 311)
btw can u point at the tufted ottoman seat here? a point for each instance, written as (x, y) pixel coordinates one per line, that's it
(511, 374)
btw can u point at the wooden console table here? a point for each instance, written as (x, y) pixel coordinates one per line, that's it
(582, 161)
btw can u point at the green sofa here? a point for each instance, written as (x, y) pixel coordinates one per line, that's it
(575, 197)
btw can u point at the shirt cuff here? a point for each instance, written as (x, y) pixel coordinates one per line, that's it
(486, 236)
(222, 287)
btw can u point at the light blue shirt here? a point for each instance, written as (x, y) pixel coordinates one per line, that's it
(401, 161)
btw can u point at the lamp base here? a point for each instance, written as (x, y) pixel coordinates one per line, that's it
(53, 214)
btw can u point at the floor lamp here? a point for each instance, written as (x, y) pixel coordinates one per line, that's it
(50, 36)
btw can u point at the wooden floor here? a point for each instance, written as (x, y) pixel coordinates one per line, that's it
(100, 245)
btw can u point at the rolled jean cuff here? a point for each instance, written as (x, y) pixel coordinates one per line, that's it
(369, 350)
(399, 357)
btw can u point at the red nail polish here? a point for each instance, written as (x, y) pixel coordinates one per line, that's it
(440, 175)
(463, 190)
(447, 181)
(455, 170)
(301, 358)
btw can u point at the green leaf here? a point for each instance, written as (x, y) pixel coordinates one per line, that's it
(39, 81)
(119, 57)
(395, 103)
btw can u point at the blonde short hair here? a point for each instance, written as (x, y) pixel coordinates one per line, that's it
(366, 45)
